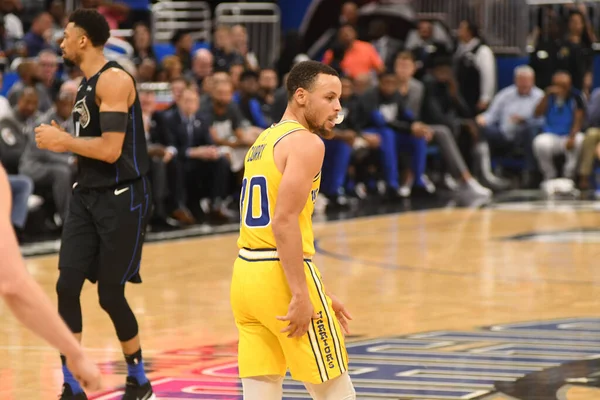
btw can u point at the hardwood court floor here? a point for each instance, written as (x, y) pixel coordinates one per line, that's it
(452, 271)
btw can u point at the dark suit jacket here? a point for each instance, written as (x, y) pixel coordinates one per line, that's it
(183, 139)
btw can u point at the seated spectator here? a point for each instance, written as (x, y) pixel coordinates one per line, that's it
(239, 38)
(5, 108)
(39, 36)
(21, 188)
(13, 24)
(235, 72)
(352, 56)
(475, 68)
(228, 127)
(338, 149)
(172, 68)
(563, 108)
(142, 43)
(413, 95)
(10, 47)
(206, 169)
(202, 67)
(509, 123)
(224, 51)
(165, 171)
(247, 100)
(382, 110)
(387, 47)
(182, 41)
(590, 148)
(14, 128)
(49, 170)
(48, 62)
(29, 76)
(424, 46)
(146, 71)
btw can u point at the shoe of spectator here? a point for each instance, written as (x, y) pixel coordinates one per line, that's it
(183, 216)
(34, 202)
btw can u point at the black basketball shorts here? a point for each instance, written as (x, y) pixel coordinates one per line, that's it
(104, 232)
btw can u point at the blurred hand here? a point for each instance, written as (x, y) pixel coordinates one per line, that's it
(204, 152)
(85, 371)
(570, 143)
(480, 119)
(517, 119)
(482, 105)
(341, 313)
(373, 139)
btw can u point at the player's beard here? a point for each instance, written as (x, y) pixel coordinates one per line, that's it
(68, 63)
(320, 130)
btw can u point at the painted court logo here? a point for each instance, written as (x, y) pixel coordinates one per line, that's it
(540, 360)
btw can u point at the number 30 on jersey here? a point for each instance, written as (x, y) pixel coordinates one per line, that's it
(256, 214)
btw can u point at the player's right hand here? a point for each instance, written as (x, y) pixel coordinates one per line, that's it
(85, 371)
(300, 314)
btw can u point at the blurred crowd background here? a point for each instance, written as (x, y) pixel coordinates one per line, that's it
(440, 97)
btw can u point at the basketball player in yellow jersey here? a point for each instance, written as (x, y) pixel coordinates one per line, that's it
(284, 316)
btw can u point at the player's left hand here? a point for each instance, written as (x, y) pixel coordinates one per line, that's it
(50, 138)
(341, 313)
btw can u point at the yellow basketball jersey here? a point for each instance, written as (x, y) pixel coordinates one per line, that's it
(260, 189)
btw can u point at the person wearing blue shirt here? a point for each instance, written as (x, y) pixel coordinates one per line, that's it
(563, 108)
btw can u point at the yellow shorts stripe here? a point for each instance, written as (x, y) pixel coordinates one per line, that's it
(314, 345)
(330, 321)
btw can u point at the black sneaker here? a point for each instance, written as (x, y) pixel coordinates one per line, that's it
(67, 394)
(135, 391)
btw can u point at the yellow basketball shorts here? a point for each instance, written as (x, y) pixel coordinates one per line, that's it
(259, 294)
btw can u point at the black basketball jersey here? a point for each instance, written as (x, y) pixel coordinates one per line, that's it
(134, 160)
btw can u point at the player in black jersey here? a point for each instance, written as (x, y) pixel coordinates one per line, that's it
(104, 230)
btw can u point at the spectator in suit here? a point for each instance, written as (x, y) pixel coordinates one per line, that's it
(387, 47)
(205, 167)
(563, 108)
(49, 170)
(165, 172)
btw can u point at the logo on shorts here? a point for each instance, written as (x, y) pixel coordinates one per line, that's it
(84, 114)
(324, 338)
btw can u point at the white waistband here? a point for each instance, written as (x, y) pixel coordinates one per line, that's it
(263, 254)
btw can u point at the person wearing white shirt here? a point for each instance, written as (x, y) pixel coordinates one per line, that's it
(510, 121)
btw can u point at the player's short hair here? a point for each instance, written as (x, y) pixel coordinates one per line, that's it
(304, 75)
(93, 23)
